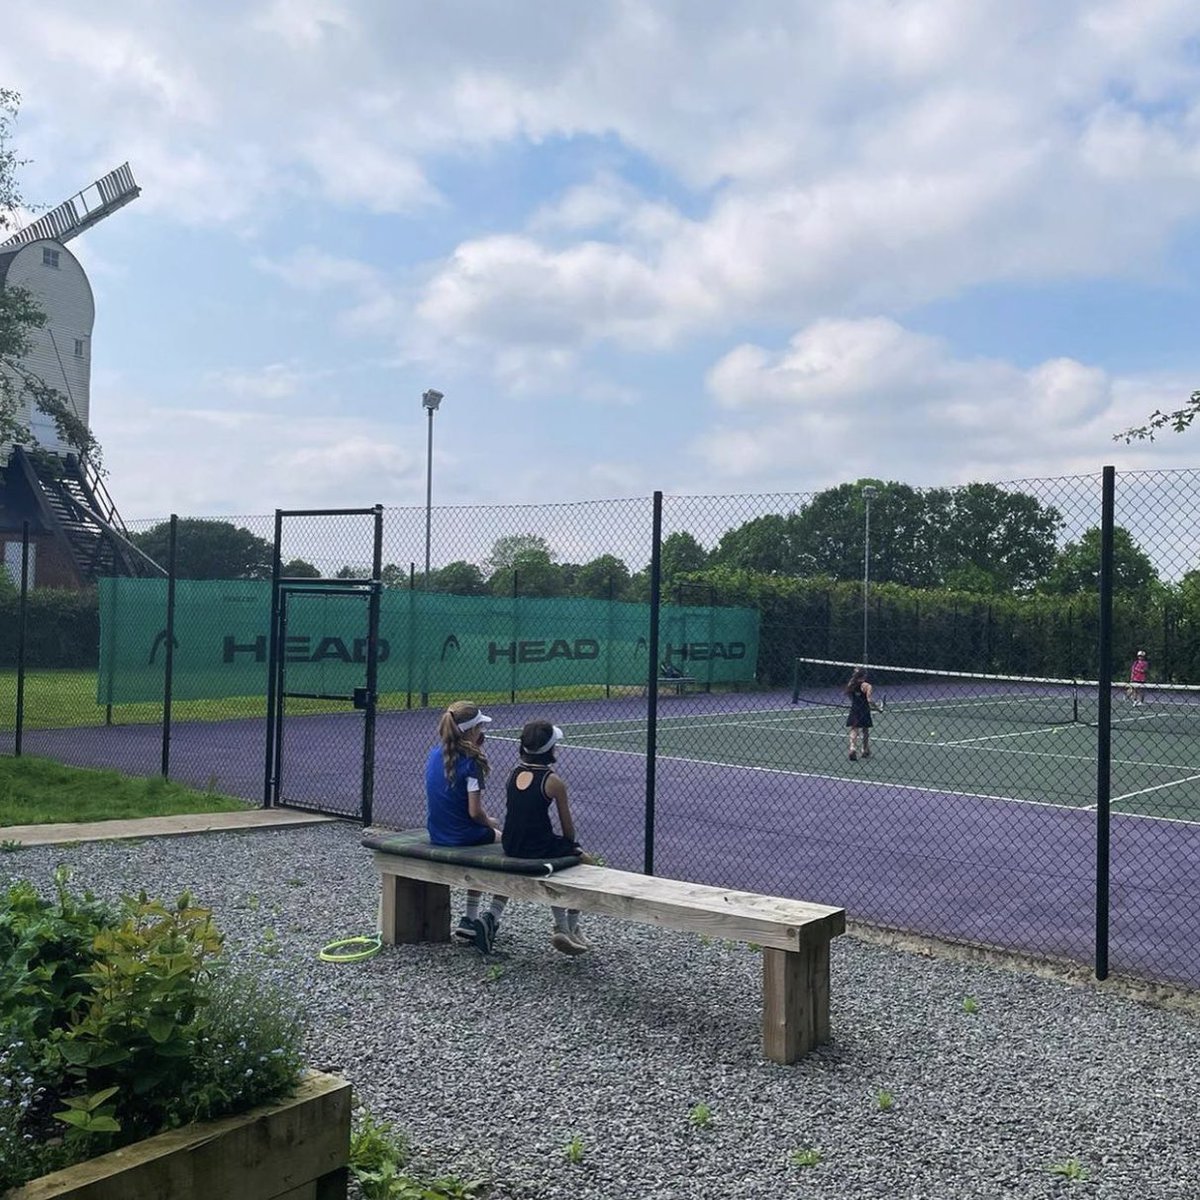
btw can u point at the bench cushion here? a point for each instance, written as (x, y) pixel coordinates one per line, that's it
(414, 843)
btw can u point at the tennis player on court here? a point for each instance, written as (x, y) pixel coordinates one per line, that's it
(859, 721)
(1138, 671)
(455, 772)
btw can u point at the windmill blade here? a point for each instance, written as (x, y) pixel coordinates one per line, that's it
(81, 211)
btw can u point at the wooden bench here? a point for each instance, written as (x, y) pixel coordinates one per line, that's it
(678, 683)
(794, 936)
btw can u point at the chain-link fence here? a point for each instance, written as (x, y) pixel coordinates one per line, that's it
(1005, 782)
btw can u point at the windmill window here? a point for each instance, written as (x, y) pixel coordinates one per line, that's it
(49, 257)
(79, 347)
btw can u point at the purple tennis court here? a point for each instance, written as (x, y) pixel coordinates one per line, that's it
(753, 793)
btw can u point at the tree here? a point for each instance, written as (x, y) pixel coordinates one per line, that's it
(20, 317)
(459, 579)
(1078, 565)
(297, 568)
(991, 539)
(770, 544)
(209, 549)
(1178, 420)
(507, 550)
(681, 554)
(828, 536)
(601, 578)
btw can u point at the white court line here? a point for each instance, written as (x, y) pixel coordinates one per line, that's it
(1158, 787)
(886, 739)
(907, 787)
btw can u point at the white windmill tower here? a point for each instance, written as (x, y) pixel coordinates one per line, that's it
(75, 527)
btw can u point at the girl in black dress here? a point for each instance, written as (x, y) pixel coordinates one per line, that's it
(532, 788)
(859, 721)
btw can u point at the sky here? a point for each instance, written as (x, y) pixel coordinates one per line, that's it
(686, 245)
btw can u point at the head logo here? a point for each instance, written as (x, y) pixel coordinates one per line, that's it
(161, 640)
(451, 643)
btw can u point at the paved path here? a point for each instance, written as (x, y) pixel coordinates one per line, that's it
(100, 831)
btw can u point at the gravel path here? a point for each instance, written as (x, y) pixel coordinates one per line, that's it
(493, 1067)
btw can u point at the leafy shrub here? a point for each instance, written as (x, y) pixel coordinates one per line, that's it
(120, 1021)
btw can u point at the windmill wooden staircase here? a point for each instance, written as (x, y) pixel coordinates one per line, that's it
(73, 505)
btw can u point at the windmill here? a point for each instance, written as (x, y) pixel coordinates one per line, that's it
(75, 527)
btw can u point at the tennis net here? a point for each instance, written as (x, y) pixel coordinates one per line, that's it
(1006, 699)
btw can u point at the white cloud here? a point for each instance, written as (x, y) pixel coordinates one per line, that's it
(853, 398)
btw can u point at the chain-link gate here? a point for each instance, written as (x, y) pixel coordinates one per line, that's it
(324, 650)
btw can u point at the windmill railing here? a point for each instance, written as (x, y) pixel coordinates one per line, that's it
(84, 209)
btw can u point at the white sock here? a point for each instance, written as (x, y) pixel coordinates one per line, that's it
(572, 919)
(472, 905)
(497, 909)
(562, 922)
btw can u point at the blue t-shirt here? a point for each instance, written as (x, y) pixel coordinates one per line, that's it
(447, 817)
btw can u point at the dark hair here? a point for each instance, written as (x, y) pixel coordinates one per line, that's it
(537, 733)
(860, 673)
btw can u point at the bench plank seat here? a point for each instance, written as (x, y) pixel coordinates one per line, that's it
(794, 935)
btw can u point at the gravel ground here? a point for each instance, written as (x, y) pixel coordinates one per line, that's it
(493, 1067)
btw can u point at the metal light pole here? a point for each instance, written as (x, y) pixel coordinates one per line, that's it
(429, 402)
(869, 493)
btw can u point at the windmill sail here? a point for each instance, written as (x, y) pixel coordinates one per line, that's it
(82, 210)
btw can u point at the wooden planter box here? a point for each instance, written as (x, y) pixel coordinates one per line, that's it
(294, 1150)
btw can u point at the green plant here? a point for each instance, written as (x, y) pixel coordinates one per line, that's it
(119, 1021)
(1069, 1168)
(808, 1157)
(885, 1100)
(970, 1005)
(574, 1150)
(494, 972)
(379, 1155)
(701, 1115)
(10, 846)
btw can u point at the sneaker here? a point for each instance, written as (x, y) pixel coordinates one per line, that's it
(853, 756)
(580, 938)
(866, 754)
(565, 944)
(464, 931)
(492, 922)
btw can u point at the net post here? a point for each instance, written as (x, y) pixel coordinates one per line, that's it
(796, 681)
(1104, 726)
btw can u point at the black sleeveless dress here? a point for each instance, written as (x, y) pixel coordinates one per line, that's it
(527, 829)
(860, 710)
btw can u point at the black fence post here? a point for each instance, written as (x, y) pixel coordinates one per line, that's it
(169, 663)
(22, 611)
(367, 806)
(1104, 726)
(512, 695)
(273, 699)
(412, 600)
(608, 654)
(652, 684)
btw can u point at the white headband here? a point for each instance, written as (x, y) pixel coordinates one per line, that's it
(477, 719)
(555, 737)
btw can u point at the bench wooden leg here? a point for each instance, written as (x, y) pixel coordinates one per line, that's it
(795, 1000)
(412, 911)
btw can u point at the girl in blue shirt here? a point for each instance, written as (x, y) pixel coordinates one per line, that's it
(456, 770)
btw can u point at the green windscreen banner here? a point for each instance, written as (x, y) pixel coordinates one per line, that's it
(427, 641)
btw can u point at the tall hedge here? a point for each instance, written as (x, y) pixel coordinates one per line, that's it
(62, 629)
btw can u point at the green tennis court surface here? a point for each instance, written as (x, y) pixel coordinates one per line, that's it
(946, 749)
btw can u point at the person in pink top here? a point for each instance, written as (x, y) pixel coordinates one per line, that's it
(1137, 678)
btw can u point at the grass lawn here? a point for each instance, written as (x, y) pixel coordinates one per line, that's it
(67, 700)
(35, 791)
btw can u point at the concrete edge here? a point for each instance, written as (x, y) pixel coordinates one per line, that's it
(178, 825)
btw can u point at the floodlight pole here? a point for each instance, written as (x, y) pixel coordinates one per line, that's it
(429, 402)
(869, 492)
